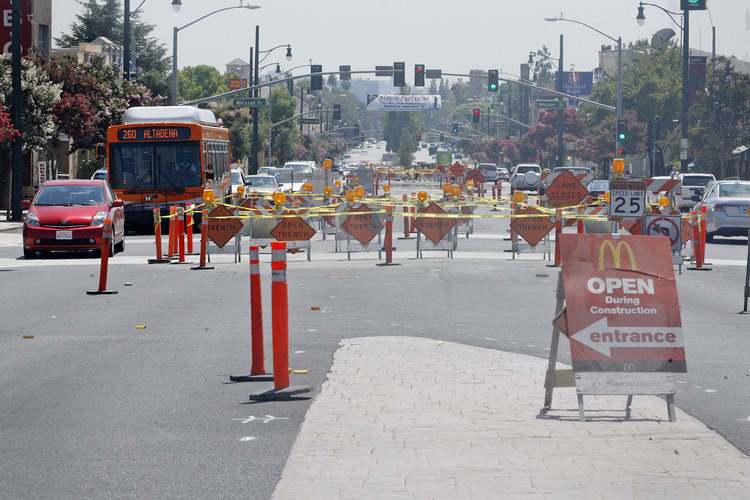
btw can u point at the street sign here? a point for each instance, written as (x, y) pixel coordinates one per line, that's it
(383, 70)
(293, 229)
(627, 199)
(403, 102)
(249, 102)
(621, 308)
(434, 74)
(434, 228)
(457, 170)
(532, 226)
(220, 228)
(666, 225)
(363, 227)
(551, 104)
(310, 121)
(565, 191)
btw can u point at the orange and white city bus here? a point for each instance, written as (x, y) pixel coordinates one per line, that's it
(165, 155)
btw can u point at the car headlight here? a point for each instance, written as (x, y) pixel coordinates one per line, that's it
(98, 219)
(32, 219)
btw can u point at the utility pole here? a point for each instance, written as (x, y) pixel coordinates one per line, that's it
(254, 77)
(301, 109)
(685, 91)
(16, 186)
(561, 112)
(126, 42)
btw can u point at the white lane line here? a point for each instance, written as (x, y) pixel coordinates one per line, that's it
(490, 338)
(246, 439)
(710, 390)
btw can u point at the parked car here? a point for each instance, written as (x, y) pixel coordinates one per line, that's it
(489, 171)
(575, 170)
(727, 208)
(100, 175)
(302, 169)
(526, 176)
(262, 184)
(503, 174)
(69, 215)
(693, 187)
(288, 180)
(598, 187)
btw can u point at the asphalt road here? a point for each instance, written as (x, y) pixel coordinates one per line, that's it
(95, 407)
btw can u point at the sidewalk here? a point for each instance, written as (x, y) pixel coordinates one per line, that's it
(10, 226)
(403, 417)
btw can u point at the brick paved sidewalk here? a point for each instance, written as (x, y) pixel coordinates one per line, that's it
(403, 417)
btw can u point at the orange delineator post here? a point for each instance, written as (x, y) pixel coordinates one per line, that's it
(172, 250)
(280, 315)
(157, 239)
(257, 366)
(181, 234)
(204, 243)
(189, 223)
(104, 265)
(388, 240)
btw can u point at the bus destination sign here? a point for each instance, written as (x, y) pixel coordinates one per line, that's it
(154, 134)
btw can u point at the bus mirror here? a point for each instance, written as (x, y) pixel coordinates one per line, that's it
(209, 176)
(100, 150)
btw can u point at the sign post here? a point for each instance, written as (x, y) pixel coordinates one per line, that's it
(622, 316)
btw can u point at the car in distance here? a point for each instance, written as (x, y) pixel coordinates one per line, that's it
(693, 187)
(261, 184)
(727, 208)
(598, 187)
(503, 174)
(100, 175)
(526, 176)
(489, 171)
(69, 215)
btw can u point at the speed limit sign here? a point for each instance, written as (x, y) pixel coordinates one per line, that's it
(627, 199)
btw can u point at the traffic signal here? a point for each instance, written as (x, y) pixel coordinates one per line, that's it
(693, 4)
(419, 75)
(290, 86)
(399, 74)
(493, 80)
(345, 73)
(316, 81)
(454, 128)
(622, 131)
(476, 114)
(337, 111)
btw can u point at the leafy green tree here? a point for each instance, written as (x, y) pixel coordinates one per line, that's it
(286, 135)
(406, 148)
(104, 18)
(197, 82)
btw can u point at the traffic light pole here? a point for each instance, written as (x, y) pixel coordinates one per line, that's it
(618, 145)
(254, 86)
(16, 187)
(560, 113)
(684, 125)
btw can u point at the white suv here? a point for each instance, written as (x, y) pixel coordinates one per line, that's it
(526, 176)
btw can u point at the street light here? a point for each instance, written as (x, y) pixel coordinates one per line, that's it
(177, 3)
(618, 41)
(684, 113)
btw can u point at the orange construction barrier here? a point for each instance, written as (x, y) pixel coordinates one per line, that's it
(280, 329)
(202, 266)
(407, 222)
(172, 250)
(189, 224)
(157, 239)
(388, 240)
(104, 265)
(257, 366)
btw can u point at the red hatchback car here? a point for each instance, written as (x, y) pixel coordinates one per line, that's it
(69, 215)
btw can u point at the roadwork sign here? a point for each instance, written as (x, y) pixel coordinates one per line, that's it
(363, 227)
(476, 176)
(434, 228)
(530, 228)
(293, 229)
(220, 228)
(566, 191)
(666, 225)
(457, 170)
(622, 313)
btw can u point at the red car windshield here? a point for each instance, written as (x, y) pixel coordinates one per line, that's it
(68, 196)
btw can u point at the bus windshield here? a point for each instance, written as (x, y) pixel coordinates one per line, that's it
(168, 166)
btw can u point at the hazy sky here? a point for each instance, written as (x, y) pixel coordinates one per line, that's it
(452, 35)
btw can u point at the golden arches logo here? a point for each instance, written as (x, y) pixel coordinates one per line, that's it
(616, 251)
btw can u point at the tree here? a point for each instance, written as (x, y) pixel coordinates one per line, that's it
(197, 82)
(721, 118)
(7, 131)
(285, 135)
(406, 148)
(105, 19)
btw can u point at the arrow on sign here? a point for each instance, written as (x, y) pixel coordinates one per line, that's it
(602, 338)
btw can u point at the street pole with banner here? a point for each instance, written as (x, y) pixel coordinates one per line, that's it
(17, 102)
